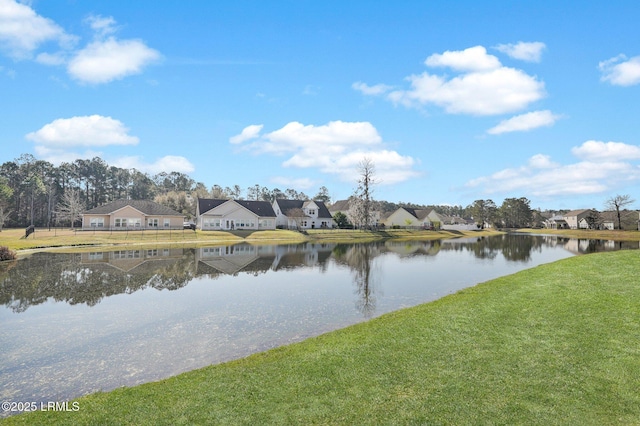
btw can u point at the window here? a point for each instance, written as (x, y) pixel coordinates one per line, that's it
(153, 223)
(210, 223)
(97, 222)
(121, 223)
(167, 223)
(312, 211)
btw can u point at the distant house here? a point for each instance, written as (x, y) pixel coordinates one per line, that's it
(132, 214)
(577, 219)
(556, 222)
(408, 217)
(346, 207)
(217, 214)
(298, 214)
(629, 219)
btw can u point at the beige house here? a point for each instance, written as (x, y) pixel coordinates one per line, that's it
(227, 215)
(122, 215)
(408, 217)
(576, 219)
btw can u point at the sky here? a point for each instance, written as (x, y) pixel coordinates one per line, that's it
(451, 101)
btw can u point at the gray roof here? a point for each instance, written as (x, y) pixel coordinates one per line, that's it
(286, 205)
(147, 207)
(340, 206)
(260, 208)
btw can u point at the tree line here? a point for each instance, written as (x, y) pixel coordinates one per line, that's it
(35, 192)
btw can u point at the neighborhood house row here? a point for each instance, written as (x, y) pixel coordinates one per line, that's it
(226, 214)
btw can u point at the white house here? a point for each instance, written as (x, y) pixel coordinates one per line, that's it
(298, 214)
(226, 215)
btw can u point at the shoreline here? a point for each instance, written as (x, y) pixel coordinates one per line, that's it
(70, 240)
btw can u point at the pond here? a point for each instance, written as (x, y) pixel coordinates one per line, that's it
(78, 323)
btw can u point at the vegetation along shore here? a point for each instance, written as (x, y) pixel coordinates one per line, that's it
(556, 344)
(65, 238)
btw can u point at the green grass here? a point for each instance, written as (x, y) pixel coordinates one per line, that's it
(556, 344)
(618, 235)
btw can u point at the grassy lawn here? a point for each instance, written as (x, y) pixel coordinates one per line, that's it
(556, 344)
(617, 235)
(65, 238)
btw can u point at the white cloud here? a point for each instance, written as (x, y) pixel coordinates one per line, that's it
(606, 151)
(335, 148)
(102, 26)
(168, 162)
(248, 133)
(530, 52)
(621, 71)
(525, 122)
(484, 86)
(604, 167)
(111, 59)
(106, 58)
(22, 30)
(471, 59)
(94, 130)
(377, 89)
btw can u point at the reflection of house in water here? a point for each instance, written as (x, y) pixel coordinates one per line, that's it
(413, 248)
(127, 260)
(231, 260)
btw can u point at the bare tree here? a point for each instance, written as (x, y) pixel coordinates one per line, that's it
(364, 192)
(71, 207)
(618, 202)
(4, 215)
(298, 215)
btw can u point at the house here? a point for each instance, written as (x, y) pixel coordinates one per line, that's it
(414, 218)
(629, 219)
(346, 207)
(556, 222)
(219, 214)
(132, 214)
(577, 219)
(298, 214)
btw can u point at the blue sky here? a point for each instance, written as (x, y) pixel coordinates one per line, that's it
(452, 101)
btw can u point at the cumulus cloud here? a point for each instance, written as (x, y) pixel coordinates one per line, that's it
(104, 59)
(604, 166)
(107, 60)
(471, 59)
(606, 151)
(525, 122)
(93, 130)
(620, 70)
(22, 30)
(174, 163)
(530, 52)
(483, 87)
(248, 133)
(335, 148)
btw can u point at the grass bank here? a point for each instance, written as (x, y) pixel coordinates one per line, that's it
(67, 238)
(556, 344)
(616, 235)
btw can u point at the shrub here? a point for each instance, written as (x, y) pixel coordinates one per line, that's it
(7, 254)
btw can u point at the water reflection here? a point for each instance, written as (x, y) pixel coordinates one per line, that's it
(87, 278)
(102, 319)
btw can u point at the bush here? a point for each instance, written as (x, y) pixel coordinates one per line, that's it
(7, 254)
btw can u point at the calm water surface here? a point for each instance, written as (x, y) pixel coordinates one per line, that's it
(73, 324)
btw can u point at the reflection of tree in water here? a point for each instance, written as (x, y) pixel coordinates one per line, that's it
(65, 277)
(516, 248)
(359, 258)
